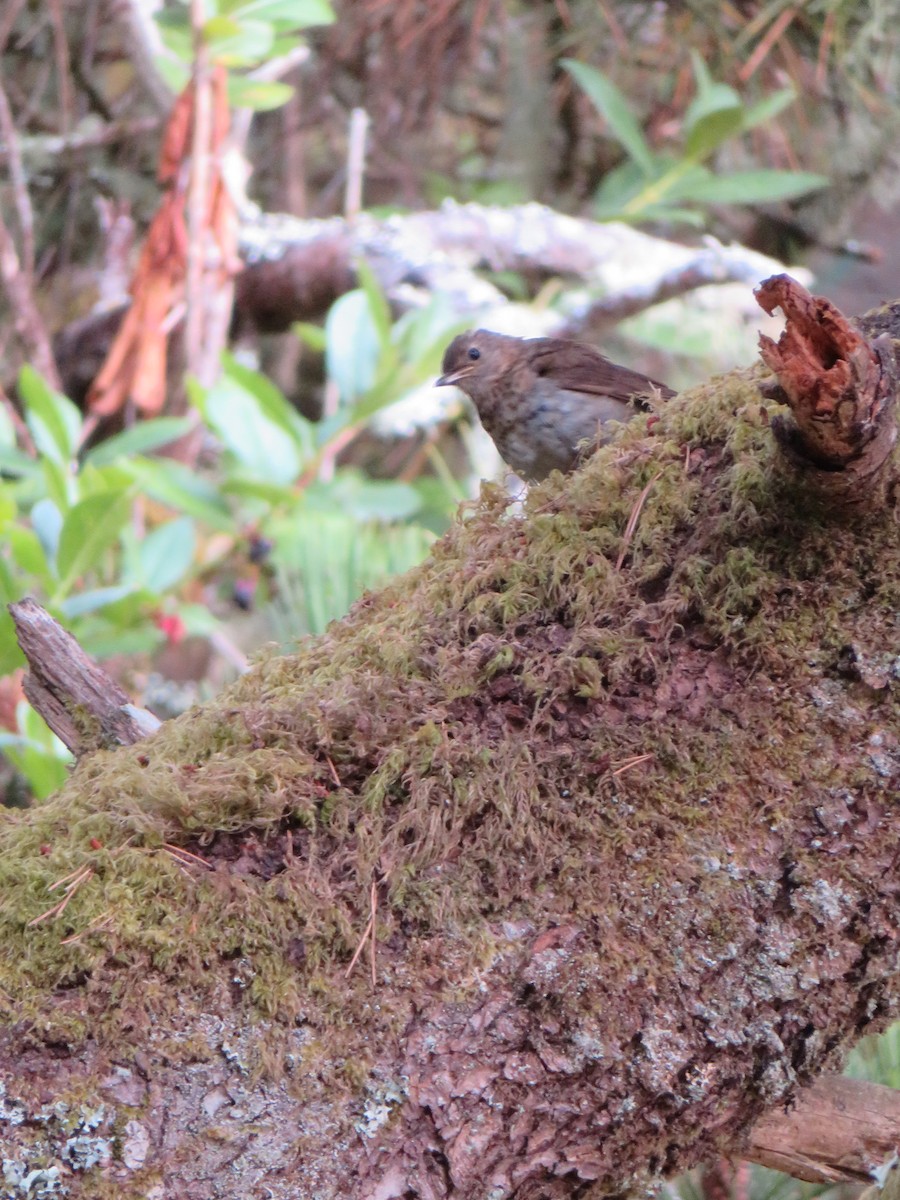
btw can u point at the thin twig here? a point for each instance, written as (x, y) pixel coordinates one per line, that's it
(329, 453)
(765, 44)
(23, 433)
(180, 852)
(631, 762)
(8, 18)
(98, 923)
(198, 192)
(27, 320)
(334, 774)
(67, 878)
(374, 902)
(633, 520)
(81, 875)
(61, 55)
(356, 163)
(359, 948)
(22, 200)
(824, 48)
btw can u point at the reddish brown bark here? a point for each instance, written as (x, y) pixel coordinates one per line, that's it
(839, 386)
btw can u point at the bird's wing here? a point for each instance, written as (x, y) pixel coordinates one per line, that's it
(580, 368)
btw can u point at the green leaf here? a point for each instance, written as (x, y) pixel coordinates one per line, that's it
(619, 187)
(615, 110)
(658, 194)
(298, 14)
(167, 554)
(273, 403)
(58, 481)
(114, 478)
(175, 36)
(139, 439)
(174, 72)
(312, 335)
(669, 213)
(364, 499)
(251, 42)
(715, 113)
(105, 642)
(684, 183)
(710, 130)
(28, 554)
(769, 108)
(15, 462)
(9, 590)
(272, 494)
(421, 334)
(8, 510)
(83, 603)
(43, 766)
(325, 560)
(265, 447)
(183, 490)
(378, 305)
(256, 94)
(54, 421)
(756, 187)
(47, 523)
(198, 620)
(90, 528)
(220, 27)
(353, 346)
(11, 655)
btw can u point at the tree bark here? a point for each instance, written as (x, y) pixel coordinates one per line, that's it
(548, 871)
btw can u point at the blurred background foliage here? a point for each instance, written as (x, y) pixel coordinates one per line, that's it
(770, 121)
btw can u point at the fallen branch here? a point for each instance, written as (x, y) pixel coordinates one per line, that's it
(295, 269)
(85, 707)
(837, 1131)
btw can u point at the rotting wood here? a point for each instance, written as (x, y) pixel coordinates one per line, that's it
(84, 706)
(839, 386)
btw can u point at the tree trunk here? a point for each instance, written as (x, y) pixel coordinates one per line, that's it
(547, 871)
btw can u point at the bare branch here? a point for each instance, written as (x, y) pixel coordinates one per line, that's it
(24, 211)
(83, 705)
(837, 1131)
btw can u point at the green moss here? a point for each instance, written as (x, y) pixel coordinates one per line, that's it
(553, 707)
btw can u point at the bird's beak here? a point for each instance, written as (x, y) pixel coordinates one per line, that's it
(453, 377)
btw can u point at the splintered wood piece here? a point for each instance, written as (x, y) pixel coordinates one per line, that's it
(839, 386)
(85, 707)
(838, 1130)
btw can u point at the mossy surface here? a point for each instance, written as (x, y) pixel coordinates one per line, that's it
(521, 728)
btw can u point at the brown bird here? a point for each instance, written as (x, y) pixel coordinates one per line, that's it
(541, 398)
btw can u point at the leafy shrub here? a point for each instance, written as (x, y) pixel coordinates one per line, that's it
(114, 540)
(660, 185)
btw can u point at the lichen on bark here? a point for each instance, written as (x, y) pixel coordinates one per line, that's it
(621, 810)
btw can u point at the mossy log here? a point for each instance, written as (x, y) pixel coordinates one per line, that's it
(547, 871)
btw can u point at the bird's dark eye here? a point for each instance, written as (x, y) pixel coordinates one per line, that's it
(474, 352)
